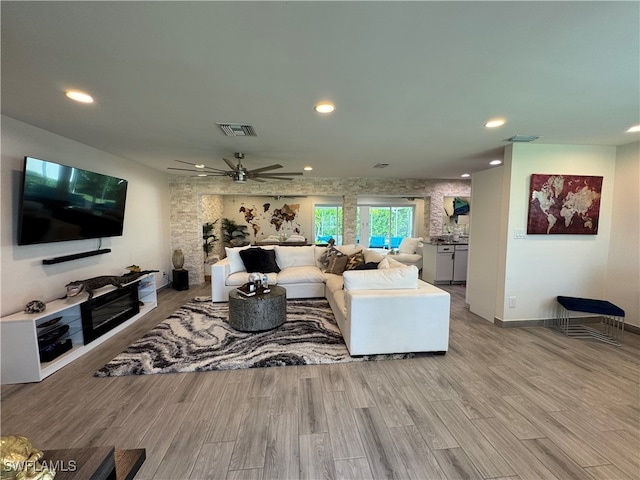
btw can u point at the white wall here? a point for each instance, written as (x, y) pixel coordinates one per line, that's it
(623, 274)
(145, 241)
(538, 268)
(484, 272)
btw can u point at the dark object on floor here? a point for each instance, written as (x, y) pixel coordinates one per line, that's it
(181, 279)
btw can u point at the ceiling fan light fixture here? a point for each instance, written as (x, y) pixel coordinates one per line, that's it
(634, 129)
(240, 176)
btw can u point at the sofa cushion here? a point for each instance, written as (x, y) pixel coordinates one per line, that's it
(293, 275)
(373, 256)
(354, 261)
(259, 260)
(410, 245)
(337, 263)
(349, 249)
(382, 279)
(333, 282)
(295, 256)
(235, 261)
(387, 263)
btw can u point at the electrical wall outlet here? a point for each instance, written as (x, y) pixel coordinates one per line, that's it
(512, 302)
(520, 234)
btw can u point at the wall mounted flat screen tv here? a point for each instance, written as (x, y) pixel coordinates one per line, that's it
(61, 203)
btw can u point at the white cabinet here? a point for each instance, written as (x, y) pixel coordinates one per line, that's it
(444, 263)
(19, 352)
(460, 264)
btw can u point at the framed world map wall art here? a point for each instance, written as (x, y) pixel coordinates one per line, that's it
(564, 204)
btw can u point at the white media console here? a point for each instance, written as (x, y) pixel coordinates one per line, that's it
(20, 357)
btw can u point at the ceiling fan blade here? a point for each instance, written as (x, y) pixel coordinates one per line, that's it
(183, 169)
(280, 173)
(264, 169)
(232, 165)
(269, 177)
(205, 167)
(257, 179)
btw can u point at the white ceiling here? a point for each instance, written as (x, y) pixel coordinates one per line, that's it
(413, 82)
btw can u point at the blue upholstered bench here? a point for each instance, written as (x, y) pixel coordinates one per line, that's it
(612, 319)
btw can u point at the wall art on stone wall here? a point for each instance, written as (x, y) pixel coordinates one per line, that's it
(564, 204)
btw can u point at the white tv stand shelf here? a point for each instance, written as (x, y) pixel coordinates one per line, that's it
(20, 357)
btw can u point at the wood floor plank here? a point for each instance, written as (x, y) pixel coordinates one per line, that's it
(378, 445)
(571, 444)
(555, 459)
(312, 416)
(282, 456)
(608, 472)
(457, 465)
(345, 440)
(212, 461)
(251, 444)
(481, 452)
(415, 454)
(521, 460)
(354, 469)
(388, 401)
(316, 461)
(431, 427)
(228, 413)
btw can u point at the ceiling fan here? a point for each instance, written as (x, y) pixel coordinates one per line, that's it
(238, 172)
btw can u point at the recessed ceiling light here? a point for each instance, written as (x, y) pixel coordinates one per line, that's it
(495, 162)
(496, 122)
(324, 107)
(79, 96)
(634, 129)
(202, 175)
(308, 168)
(465, 175)
(199, 165)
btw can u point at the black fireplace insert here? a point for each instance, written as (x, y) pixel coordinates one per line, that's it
(101, 314)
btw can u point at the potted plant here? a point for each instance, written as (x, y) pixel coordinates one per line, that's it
(235, 235)
(208, 237)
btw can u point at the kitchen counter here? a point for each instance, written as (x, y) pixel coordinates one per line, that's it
(444, 241)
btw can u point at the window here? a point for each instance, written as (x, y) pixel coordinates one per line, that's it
(386, 226)
(328, 223)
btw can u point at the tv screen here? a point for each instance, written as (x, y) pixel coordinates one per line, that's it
(61, 203)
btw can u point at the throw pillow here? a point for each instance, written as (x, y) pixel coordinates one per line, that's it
(367, 266)
(259, 260)
(354, 260)
(409, 245)
(326, 255)
(295, 256)
(337, 262)
(235, 261)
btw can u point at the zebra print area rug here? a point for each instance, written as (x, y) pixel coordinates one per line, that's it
(197, 338)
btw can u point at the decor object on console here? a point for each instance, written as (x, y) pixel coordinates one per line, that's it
(177, 259)
(20, 460)
(35, 306)
(564, 204)
(91, 284)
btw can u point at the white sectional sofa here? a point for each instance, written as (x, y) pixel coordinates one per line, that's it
(386, 310)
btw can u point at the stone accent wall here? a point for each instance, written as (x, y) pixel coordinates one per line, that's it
(190, 207)
(212, 210)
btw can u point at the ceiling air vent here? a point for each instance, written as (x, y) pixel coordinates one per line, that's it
(237, 130)
(522, 138)
(381, 165)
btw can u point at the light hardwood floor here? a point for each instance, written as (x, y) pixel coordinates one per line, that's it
(524, 403)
